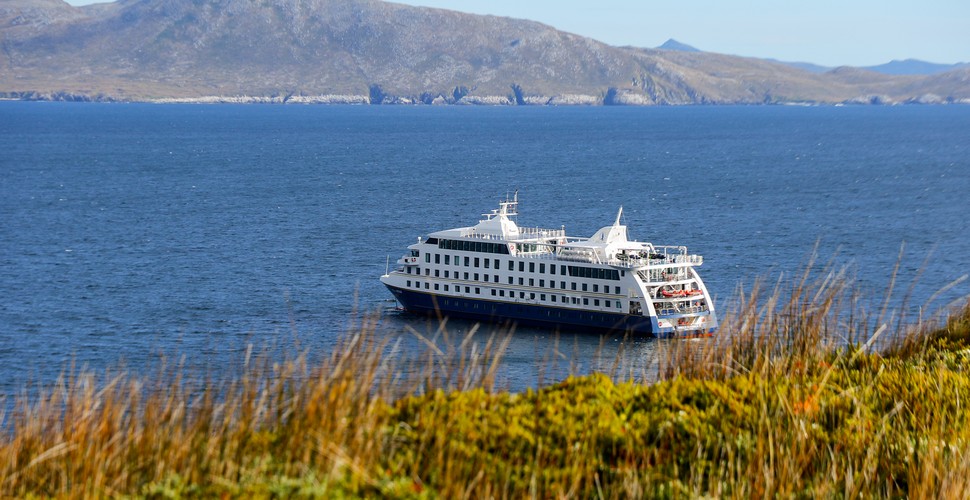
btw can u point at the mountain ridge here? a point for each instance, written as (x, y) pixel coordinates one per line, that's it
(381, 53)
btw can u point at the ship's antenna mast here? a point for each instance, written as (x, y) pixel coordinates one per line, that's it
(512, 206)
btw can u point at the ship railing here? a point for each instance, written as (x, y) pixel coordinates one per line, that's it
(539, 232)
(662, 275)
(689, 260)
(481, 236)
(694, 260)
(526, 234)
(681, 311)
(670, 250)
(590, 258)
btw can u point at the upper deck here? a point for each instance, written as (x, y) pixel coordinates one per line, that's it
(608, 247)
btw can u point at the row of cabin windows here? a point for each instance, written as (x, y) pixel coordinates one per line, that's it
(438, 286)
(469, 261)
(473, 246)
(595, 273)
(511, 293)
(575, 271)
(521, 281)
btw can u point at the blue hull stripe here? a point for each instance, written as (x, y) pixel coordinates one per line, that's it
(525, 314)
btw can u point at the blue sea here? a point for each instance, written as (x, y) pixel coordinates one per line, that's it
(131, 233)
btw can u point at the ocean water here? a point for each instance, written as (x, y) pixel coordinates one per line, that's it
(130, 233)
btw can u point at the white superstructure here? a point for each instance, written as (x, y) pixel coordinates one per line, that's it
(498, 271)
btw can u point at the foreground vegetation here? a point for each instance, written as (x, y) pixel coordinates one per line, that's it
(802, 394)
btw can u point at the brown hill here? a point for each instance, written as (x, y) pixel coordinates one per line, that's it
(382, 52)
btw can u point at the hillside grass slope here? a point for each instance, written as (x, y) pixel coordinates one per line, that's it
(801, 394)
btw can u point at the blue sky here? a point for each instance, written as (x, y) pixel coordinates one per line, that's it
(826, 32)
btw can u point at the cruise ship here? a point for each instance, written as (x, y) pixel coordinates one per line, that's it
(497, 271)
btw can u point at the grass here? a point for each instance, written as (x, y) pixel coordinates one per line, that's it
(802, 394)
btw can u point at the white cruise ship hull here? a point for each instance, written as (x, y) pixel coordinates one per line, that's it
(497, 272)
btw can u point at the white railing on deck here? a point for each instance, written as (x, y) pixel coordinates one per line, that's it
(542, 233)
(682, 310)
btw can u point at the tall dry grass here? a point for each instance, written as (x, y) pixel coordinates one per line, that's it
(803, 393)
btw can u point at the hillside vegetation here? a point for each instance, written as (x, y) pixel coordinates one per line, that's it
(793, 398)
(354, 51)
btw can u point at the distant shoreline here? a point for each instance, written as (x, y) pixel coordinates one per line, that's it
(572, 100)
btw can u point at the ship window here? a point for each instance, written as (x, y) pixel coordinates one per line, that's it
(521, 295)
(466, 261)
(427, 285)
(476, 276)
(552, 269)
(596, 287)
(468, 289)
(457, 260)
(409, 283)
(465, 276)
(542, 296)
(585, 301)
(446, 288)
(496, 263)
(584, 287)
(553, 297)
(493, 292)
(520, 281)
(596, 302)
(427, 258)
(532, 267)
(511, 266)
(435, 286)
(476, 261)
(562, 284)
(532, 282)
(486, 263)
(437, 273)
(618, 306)
(427, 272)
(408, 270)
(521, 267)
(501, 293)
(542, 283)
(552, 284)
(446, 273)
(532, 296)
(437, 258)
(447, 260)
(495, 278)
(478, 290)
(510, 280)
(485, 278)
(542, 268)
(617, 290)
(573, 285)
